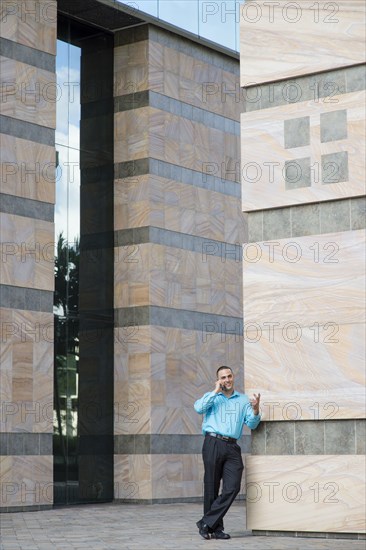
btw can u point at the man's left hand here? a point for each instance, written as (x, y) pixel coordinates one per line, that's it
(255, 403)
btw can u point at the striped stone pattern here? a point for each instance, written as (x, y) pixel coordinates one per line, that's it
(27, 192)
(178, 229)
(303, 239)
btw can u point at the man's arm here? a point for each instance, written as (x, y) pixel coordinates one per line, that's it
(252, 416)
(206, 402)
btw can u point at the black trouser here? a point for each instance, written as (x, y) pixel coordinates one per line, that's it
(222, 460)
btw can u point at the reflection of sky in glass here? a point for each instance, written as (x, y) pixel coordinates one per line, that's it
(216, 21)
(67, 215)
(182, 14)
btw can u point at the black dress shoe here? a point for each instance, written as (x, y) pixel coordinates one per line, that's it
(219, 534)
(203, 529)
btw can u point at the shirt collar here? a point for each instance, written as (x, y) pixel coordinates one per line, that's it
(234, 394)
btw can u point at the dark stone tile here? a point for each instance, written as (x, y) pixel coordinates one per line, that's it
(124, 444)
(134, 100)
(356, 78)
(276, 224)
(3, 444)
(245, 444)
(178, 240)
(31, 445)
(297, 132)
(333, 125)
(280, 438)
(46, 444)
(32, 299)
(161, 444)
(129, 36)
(15, 443)
(305, 220)
(26, 207)
(17, 297)
(327, 85)
(259, 440)
(27, 55)
(358, 213)
(335, 216)
(360, 428)
(175, 107)
(255, 227)
(349, 536)
(340, 437)
(27, 130)
(46, 301)
(176, 172)
(143, 444)
(187, 111)
(334, 167)
(298, 173)
(132, 168)
(309, 438)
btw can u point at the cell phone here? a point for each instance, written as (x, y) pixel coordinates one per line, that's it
(222, 386)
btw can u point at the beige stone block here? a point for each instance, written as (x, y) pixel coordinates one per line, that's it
(166, 420)
(264, 155)
(29, 257)
(167, 476)
(280, 283)
(26, 379)
(31, 478)
(131, 135)
(22, 372)
(31, 23)
(319, 370)
(131, 68)
(139, 366)
(28, 93)
(132, 477)
(306, 493)
(28, 169)
(284, 40)
(171, 84)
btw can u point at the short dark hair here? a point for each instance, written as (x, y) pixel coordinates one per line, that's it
(221, 368)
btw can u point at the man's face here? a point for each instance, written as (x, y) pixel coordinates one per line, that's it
(226, 378)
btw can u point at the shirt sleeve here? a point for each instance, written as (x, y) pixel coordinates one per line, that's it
(251, 420)
(202, 405)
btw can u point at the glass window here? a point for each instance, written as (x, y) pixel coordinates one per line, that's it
(67, 253)
(83, 299)
(219, 21)
(215, 21)
(182, 14)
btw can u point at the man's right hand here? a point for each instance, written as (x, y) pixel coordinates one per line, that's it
(217, 387)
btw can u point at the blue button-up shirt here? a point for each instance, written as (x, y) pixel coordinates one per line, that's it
(226, 415)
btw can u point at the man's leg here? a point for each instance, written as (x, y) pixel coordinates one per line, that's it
(213, 464)
(231, 479)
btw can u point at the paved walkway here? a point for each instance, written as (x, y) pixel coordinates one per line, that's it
(139, 527)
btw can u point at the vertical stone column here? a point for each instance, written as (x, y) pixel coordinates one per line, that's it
(27, 193)
(178, 229)
(303, 173)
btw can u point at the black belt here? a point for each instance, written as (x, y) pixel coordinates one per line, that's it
(223, 437)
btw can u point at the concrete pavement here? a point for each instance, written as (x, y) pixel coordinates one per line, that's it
(142, 527)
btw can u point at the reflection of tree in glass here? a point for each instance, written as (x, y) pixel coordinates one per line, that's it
(66, 355)
(67, 276)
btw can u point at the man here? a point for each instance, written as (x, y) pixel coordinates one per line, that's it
(225, 412)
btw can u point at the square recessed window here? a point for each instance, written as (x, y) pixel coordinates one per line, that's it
(297, 173)
(333, 126)
(297, 132)
(335, 167)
